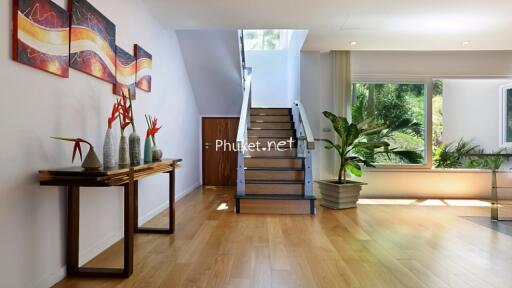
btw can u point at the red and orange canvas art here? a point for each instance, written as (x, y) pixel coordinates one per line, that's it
(144, 68)
(41, 36)
(93, 41)
(125, 73)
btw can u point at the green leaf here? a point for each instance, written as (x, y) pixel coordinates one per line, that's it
(339, 124)
(411, 157)
(354, 169)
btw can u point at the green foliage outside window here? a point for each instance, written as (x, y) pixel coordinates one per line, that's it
(267, 39)
(390, 103)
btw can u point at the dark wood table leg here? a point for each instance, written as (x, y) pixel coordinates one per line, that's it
(72, 262)
(129, 221)
(167, 230)
(172, 200)
(73, 230)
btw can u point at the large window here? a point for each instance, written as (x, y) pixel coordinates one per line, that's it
(267, 39)
(389, 103)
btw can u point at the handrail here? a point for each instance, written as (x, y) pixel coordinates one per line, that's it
(241, 136)
(244, 113)
(306, 143)
(303, 119)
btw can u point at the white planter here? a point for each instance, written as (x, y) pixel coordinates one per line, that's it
(339, 196)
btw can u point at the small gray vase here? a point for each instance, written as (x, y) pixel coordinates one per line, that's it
(91, 161)
(108, 150)
(124, 156)
(157, 154)
(134, 141)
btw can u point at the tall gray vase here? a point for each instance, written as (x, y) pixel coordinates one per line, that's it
(108, 150)
(135, 155)
(124, 155)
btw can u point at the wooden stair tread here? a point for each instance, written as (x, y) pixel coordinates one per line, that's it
(276, 197)
(274, 157)
(274, 181)
(273, 121)
(273, 169)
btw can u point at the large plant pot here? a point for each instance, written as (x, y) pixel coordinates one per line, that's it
(339, 196)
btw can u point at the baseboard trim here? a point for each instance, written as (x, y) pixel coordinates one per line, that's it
(91, 252)
(51, 279)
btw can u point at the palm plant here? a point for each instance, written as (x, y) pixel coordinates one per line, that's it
(358, 144)
(452, 155)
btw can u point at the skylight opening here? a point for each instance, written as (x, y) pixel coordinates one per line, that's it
(266, 39)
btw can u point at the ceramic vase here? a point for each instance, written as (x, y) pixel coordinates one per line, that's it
(148, 150)
(134, 141)
(91, 161)
(124, 156)
(108, 150)
(157, 154)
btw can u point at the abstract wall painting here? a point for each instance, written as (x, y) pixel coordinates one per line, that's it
(41, 36)
(144, 68)
(125, 73)
(93, 41)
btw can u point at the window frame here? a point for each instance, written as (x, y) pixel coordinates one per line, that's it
(428, 83)
(503, 115)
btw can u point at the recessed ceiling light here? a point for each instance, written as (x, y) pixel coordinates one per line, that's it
(353, 43)
(466, 43)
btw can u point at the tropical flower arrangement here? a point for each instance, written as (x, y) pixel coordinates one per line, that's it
(152, 127)
(151, 152)
(129, 147)
(125, 113)
(91, 160)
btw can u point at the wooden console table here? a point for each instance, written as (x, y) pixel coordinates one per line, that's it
(127, 177)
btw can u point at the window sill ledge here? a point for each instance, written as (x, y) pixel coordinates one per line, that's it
(428, 170)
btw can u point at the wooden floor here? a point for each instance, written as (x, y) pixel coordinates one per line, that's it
(372, 246)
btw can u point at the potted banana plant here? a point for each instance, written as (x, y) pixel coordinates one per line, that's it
(358, 145)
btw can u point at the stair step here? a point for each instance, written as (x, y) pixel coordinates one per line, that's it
(273, 153)
(273, 174)
(274, 187)
(271, 132)
(275, 204)
(273, 163)
(272, 118)
(271, 141)
(272, 125)
(270, 111)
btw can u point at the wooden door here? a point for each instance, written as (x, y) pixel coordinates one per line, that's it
(219, 165)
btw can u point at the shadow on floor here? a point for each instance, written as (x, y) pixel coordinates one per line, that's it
(504, 227)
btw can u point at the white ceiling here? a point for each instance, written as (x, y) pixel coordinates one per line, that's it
(373, 24)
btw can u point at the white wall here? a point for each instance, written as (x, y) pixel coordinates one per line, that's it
(269, 77)
(276, 73)
(317, 74)
(432, 64)
(212, 58)
(297, 38)
(316, 96)
(36, 105)
(471, 111)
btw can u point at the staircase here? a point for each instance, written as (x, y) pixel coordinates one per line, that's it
(272, 177)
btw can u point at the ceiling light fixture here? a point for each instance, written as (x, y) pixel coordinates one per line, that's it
(466, 43)
(353, 43)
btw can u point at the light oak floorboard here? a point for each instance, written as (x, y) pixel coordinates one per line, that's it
(371, 246)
